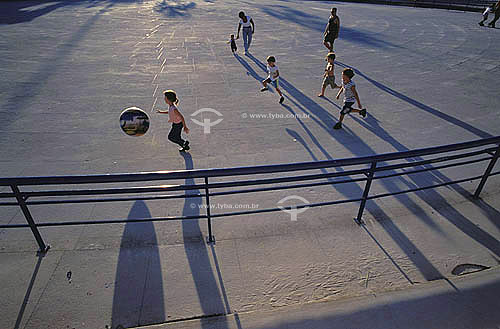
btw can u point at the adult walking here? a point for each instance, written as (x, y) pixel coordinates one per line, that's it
(332, 30)
(497, 14)
(248, 30)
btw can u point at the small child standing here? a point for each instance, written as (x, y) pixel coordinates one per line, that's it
(177, 120)
(350, 95)
(232, 41)
(273, 70)
(329, 76)
(486, 12)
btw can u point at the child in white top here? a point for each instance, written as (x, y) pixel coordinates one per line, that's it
(273, 77)
(350, 96)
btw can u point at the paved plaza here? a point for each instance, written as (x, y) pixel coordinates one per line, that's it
(427, 77)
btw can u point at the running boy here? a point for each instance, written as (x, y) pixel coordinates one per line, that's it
(273, 77)
(329, 77)
(350, 95)
(177, 120)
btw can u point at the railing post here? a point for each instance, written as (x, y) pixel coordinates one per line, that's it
(210, 237)
(370, 174)
(487, 173)
(43, 247)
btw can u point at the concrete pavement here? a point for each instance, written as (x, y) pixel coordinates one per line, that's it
(428, 77)
(466, 302)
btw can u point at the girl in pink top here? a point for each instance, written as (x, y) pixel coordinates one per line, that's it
(177, 120)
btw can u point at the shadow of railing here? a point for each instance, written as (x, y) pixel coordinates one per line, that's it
(28, 292)
(359, 147)
(198, 255)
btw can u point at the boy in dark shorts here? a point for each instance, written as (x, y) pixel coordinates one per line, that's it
(332, 30)
(350, 95)
(329, 76)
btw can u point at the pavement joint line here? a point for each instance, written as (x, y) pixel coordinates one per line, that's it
(193, 318)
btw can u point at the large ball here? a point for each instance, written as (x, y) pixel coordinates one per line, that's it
(134, 121)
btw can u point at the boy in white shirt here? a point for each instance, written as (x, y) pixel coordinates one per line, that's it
(350, 96)
(273, 77)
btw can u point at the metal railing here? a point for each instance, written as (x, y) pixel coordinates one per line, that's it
(353, 170)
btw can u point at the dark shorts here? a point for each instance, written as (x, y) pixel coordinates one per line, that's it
(330, 37)
(175, 134)
(347, 107)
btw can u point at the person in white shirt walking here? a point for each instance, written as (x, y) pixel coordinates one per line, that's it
(487, 11)
(248, 30)
(273, 77)
(350, 95)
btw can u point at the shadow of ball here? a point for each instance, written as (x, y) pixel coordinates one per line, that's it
(134, 121)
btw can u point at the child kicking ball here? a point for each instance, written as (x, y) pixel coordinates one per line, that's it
(177, 120)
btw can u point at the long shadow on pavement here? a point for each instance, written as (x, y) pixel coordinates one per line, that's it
(197, 254)
(250, 70)
(139, 282)
(436, 200)
(360, 148)
(50, 67)
(28, 292)
(430, 196)
(14, 12)
(174, 8)
(301, 140)
(313, 22)
(426, 108)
